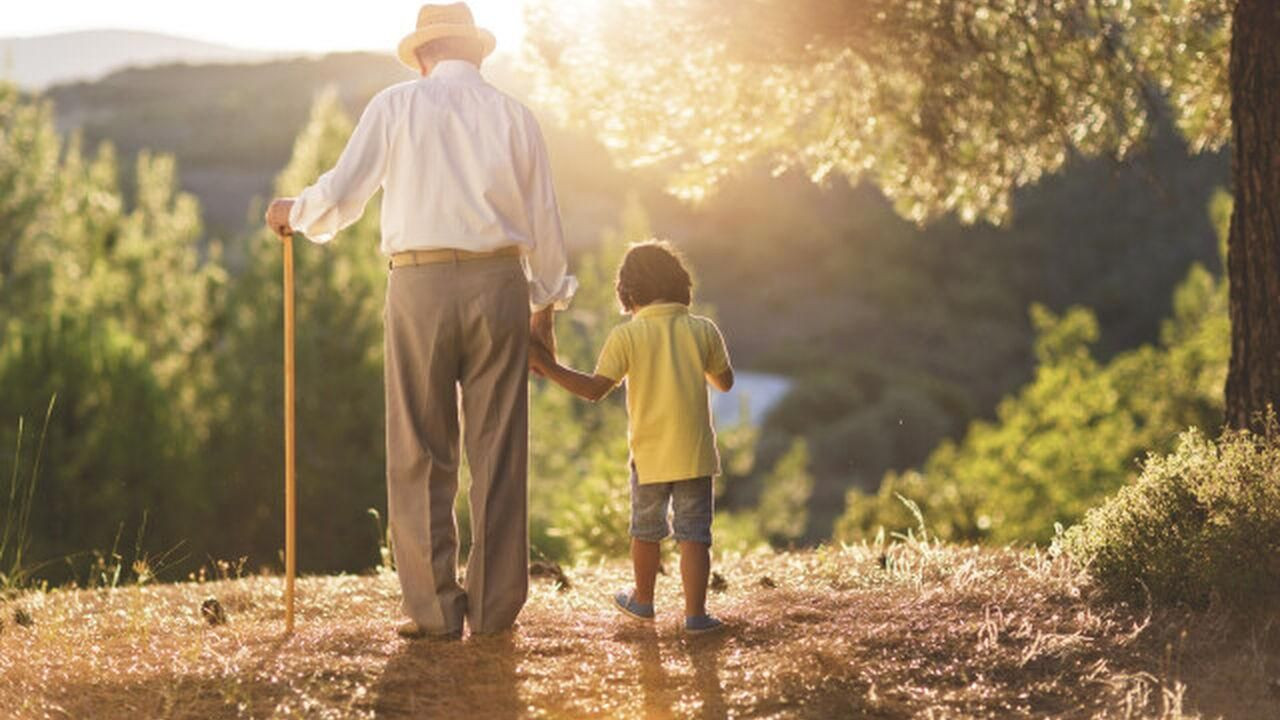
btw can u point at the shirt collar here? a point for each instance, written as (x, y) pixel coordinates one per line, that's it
(660, 309)
(459, 70)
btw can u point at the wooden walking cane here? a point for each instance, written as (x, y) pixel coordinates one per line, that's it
(290, 494)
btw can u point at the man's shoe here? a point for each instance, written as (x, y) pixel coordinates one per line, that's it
(413, 631)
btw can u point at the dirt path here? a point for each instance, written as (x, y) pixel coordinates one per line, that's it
(941, 632)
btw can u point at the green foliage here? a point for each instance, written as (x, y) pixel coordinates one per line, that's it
(107, 305)
(782, 514)
(339, 290)
(1200, 524)
(737, 527)
(139, 267)
(29, 175)
(860, 419)
(1071, 436)
(115, 448)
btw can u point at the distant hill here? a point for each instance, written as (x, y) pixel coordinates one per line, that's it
(35, 63)
(232, 126)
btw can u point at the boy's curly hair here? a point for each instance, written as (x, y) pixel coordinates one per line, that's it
(653, 271)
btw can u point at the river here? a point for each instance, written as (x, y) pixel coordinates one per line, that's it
(760, 391)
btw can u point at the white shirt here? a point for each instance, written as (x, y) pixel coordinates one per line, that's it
(462, 165)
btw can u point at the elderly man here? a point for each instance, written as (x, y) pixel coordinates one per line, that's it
(471, 226)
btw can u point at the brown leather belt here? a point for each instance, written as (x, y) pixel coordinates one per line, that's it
(409, 258)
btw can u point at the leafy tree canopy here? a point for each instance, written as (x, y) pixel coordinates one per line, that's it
(947, 105)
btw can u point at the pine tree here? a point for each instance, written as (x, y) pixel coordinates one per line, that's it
(29, 148)
(340, 288)
(108, 307)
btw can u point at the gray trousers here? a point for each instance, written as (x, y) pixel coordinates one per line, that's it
(457, 340)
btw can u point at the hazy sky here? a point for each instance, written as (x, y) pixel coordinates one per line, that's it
(284, 25)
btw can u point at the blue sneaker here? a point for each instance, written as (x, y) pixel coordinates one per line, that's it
(699, 624)
(625, 601)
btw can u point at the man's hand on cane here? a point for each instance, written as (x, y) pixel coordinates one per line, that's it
(278, 216)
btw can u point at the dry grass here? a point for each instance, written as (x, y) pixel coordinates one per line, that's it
(922, 631)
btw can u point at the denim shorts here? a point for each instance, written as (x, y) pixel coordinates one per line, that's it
(691, 502)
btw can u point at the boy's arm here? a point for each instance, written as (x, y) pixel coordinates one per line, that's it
(587, 387)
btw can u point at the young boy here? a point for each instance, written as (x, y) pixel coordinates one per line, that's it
(666, 355)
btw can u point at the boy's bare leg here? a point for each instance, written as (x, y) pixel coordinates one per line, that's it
(695, 566)
(645, 557)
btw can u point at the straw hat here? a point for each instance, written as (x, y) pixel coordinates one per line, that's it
(437, 21)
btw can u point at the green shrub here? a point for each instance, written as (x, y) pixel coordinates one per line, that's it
(1199, 524)
(1074, 434)
(951, 508)
(783, 511)
(114, 447)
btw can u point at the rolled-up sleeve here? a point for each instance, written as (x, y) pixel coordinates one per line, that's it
(338, 197)
(546, 262)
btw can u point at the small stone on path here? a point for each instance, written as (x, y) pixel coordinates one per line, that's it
(718, 583)
(549, 569)
(212, 611)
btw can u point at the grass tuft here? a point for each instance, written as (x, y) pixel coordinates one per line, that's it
(15, 533)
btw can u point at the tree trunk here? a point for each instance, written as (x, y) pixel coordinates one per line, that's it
(1253, 246)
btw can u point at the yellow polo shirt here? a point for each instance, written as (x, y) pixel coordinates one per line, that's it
(664, 352)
